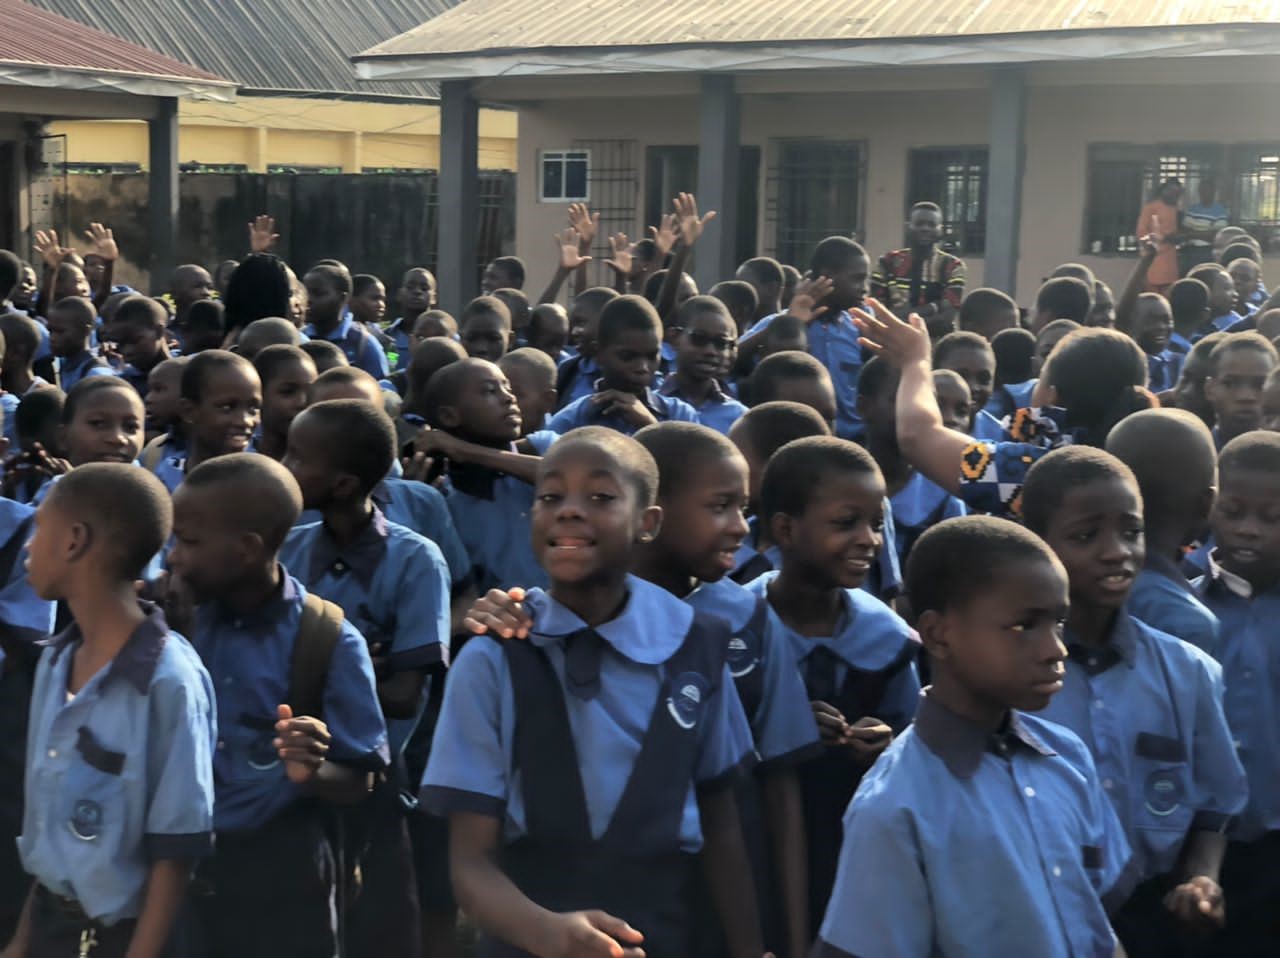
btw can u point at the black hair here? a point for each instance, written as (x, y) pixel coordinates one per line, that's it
(446, 385)
(653, 285)
(139, 521)
(144, 311)
(784, 326)
(596, 297)
(263, 497)
(960, 559)
(1241, 342)
(770, 426)
(1207, 273)
(418, 269)
(764, 270)
(21, 333)
(1240, 251)
(204, 365)
(1056, 473)
(833, 253)
(1077, 270)
(1144, 441)
(38, 409)
(682, 448)
(517, 304)
(1101, 377)
(10, 272)
(429, 357)
(485, 306)
(645, 250)
(513, 266)
(1257, 451)
(335, 274)
(348, 376)
(639, 469)
(695, 306)
(927, 205)
(443, 317)
(1200, 354)
(78, 308)
(362, 282)
(1070, 325)
(1188, 298)
(1015, 349)
(542, 309)
(1065, 297)
(762, 385)
(324, 354)
(265, 332)
(627, 314)
(206, 315)
(81, 392)
(877, 376)
(362, 440)
(981, 303)
(261, 286)
(738, 296)
(959, 340)
(527, 357)
(796, 471)
(270, 360)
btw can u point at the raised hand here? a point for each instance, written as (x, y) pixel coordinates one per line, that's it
(688, 224)
(809, 293)
(901, 343)
(585, 223)
(664, 235)
(102, 242)
(50, 251)
(262, 234)
(620, 258)
(569, 246)
(301, 743)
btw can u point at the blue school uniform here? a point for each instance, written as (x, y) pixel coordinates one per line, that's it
(620, 727)
(1149, 708)
(992, 471)
(970, 844)
(403, 344)
(1007, 399)
(719, 412)
(393, 586)
(918, 506)
(987, 427)
(171, 469)
(72, 369)
(1163, 599)
(137, 378)
(357, 344)
(1179, 343)
(834, 342)
(9, 406)
(749, 562)
(120, 775)
(575, 377)
(27, 616)
(585, 412)
(248, 658)
(1163, 370)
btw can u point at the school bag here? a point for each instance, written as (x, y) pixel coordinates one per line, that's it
(153, 452)
(319, 629)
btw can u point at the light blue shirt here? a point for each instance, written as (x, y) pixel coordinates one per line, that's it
(719, 412)
(585, 412)
(357, 344)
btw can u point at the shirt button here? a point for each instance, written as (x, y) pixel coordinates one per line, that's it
(221, 745)
(1057, 872)
(1097, 703)
(1247, 673)
(1029, 792)
(1108, 784)
(1092, 661)
(53, 753)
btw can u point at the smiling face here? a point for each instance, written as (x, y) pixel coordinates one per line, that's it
(1152, 324)
(703, 521)
(1097, 533)
(1246, 525)
(224, 418)
(834, 542)
(107, 427)
(706, 347)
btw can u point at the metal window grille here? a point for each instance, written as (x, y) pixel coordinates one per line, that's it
(956, 179)
(614, 184)
(814, 190)
(1255, 194)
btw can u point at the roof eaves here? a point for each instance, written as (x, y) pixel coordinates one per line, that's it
(58, 76)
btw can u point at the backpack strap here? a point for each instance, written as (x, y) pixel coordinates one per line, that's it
(319, 629)
(153, 452)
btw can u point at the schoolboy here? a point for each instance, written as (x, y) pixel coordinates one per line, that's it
(163, 407)
(578, 374)
(517, 304)
(1189, 302)
(1063, 297)
(189, 284)
(987, 312)
(286, 374)
(429, 356)
(761, 432)
(1103, 313)
(37, 423)
(22, 339)
(328, 289)
(434, 322)
(1171, 454)
(1241, 590)
(221, 407)
(982, 830)
(505, 272)
(393, 585)
(1246, 276)
(1048, 338)
(484, 328)
(119, 780)
(765, 276)
(1147, 705)
(416, 295)
(785, 333)
(1222, 299)
(705, 348)
(138, 331)
(740, 299)
(531, 373)
(628, 349)
(1189, 394)
(971, 356)
(954, 403)
(595, 819)
(71, 324)
(1271, 402)
(1238, 371)
(794, 377)
(268, 331)
(368, 303)
(324, 354)
(203, 326)
(1015, 351)
(1152, 327)
(823, 500)
(298, 716)
(549, 331)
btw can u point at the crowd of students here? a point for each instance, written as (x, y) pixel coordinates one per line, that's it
(835, 613)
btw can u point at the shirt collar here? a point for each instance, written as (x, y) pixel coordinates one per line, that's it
(649, 399)
(961, 743)
(1121, 646)
(137, 660)
(1163, 565)
(1233, 583)
(339, 332)
(362, 556)
(1220, 323)
(262, 620)
(670, 387)
(649, 629)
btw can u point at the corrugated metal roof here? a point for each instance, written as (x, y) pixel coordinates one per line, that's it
(281, 46)
(42, 39)
(480, 26)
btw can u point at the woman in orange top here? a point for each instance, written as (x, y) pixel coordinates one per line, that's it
(1159, 219)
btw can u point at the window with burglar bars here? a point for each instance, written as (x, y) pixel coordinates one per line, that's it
(956, 179)
(1256, 187)
(814, 191)
(614, 184)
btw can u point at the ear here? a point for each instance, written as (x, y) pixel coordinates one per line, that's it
(251, 547)
(345, 486)
(551, 397)
(187, 410)
(1044, 394)
(650, 524)
(1203, 506)
(449, 417)
(80, 539)
(934, 634)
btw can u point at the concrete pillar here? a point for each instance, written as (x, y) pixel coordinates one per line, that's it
(353, 152)
(162, 190)
(718, 178)
(257, 142)
(457, 271)
(1004, 176)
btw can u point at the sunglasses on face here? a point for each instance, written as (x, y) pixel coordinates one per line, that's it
(702, 340)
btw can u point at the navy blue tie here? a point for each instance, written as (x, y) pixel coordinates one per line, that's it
(583, 651)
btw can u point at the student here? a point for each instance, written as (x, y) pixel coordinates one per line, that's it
(202, 327)
(628, 347)
(1048, 338)
(298, 717)
(765, 276)
(1147, 705)
(1189, 393)
(221, 408)
(1063, 297)
(268, 331)
(578, 374)
(138, 331)
(1271, 402)
(549, 330)
(517, 304)
(923, 278)
(1103, 314)
(433, 323)
(505, 272)
(416, 295)
(705, 347)
(1189, 302)
(915, 502)
(982, 830)
(823, 501)
(597, 818)
(794, 377)
(1238, 371)
(785, 333)
(1152, 327)
(1222, 300)
(739, 298)
(531, 373)
(286, 373)
(761, 432)
(954, 402)
(40, 452)
(119, 782)
(987, 312)
(163, 405)
(368, 303)
(1014, 351)
(971, 356)
(393, 585)
(324, 354)
(328, 289)
(429, 357)
(1246, 276)
(22, 339)
(189, 284)
(1176, 506)
(71, 324)
(1240, 590)
(484, 328)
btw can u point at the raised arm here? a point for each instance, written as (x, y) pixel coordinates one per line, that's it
(1137, 282)
(102, 242)
(689, 227)
(586, 224)
(569, 259)
(52, 253)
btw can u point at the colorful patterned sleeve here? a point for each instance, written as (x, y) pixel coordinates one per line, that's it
(992, 473)
(957, 277)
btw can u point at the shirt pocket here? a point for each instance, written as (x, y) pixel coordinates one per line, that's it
(91, 799)
(1162, 780)
(254, 753)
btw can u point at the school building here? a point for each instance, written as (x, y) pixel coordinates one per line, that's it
(1040, 127)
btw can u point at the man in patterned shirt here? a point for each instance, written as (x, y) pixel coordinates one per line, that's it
(922, 278)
